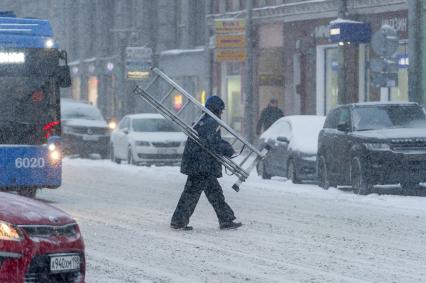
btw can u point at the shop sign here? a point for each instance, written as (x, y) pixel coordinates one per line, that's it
(230, 41)
(230, 26)
(138, 62)
(349, 31)
(230, 55)
(398, 23)
(271, 80)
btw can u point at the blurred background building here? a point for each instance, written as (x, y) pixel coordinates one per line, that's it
(293, 58)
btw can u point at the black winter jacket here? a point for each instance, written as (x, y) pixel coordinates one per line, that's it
(198, 162)
(268, 116)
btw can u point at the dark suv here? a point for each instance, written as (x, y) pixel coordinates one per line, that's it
(84, 129)
(366, 144)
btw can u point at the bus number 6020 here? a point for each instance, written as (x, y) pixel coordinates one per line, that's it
(26, 162)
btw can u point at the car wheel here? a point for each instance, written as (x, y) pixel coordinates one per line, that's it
(323, 173)
(291, 172)
(28, 192)
(112, 155)
(261, 171)
(409, 188)
(359, 181)
(130, 159)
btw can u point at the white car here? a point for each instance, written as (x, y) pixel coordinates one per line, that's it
(147, 139)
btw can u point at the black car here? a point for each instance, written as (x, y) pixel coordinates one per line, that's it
(293, 142)
(84, 130)
(367, 144)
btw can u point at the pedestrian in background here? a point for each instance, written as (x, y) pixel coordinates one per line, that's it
(203, 170)
(268, 116)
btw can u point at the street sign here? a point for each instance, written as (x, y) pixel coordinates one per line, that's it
(342, 30)
(138, 53)
(230, 55)
(138, 62)
(230, 41)
(385, 41)
(383, 65)
(384, 80)
(230, 26)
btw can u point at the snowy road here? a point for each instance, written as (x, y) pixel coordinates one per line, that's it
(292, 233)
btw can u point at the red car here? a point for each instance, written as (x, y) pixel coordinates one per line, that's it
(38, 243)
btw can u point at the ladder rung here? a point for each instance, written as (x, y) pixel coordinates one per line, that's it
(197, 121)
(183, 107)
(151, 83)
(167, 95)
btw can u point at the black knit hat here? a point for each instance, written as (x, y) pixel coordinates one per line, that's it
(215, 104)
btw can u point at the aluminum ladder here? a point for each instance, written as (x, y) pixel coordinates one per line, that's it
(162, 103)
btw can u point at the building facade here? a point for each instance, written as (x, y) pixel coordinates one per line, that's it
(296, 63)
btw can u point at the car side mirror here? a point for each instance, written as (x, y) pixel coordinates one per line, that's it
(63, 76)
(283, 139)
(343, 127)
(126, 130)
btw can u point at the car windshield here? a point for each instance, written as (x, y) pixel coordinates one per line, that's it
(80, 111)
(374, 118)
(153, 125)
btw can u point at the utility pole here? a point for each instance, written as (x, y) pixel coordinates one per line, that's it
(207, 9)
(417, 51)
(342, 96)
(249, 111)
(413, 48)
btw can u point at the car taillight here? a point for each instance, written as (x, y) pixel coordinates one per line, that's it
(49, 128)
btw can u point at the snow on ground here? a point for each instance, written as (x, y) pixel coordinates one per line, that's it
(291, 233)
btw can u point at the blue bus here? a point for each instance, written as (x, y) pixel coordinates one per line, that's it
(32, 71)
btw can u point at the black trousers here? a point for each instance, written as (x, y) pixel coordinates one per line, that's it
(194, 186)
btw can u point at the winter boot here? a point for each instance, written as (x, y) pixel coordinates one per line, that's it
(230, 225)
(180, 227)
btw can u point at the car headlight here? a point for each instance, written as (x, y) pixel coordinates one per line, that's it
(9, 232)
(142, 143)
(55, 155)
(377, 146)
(112, 125)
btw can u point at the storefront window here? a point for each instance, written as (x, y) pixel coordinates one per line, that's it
(331, 84)
(93, 90)
(76, 84)
(234, 105)
(400, 92)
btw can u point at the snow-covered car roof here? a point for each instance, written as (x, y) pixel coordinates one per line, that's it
(304, 131)
(146, 116)
(72, 109)
(382, 103)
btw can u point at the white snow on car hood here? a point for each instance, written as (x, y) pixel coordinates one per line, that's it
(85, 123)
(405, 133)
(158, 136)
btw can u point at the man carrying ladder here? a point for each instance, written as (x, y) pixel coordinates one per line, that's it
(203, 170)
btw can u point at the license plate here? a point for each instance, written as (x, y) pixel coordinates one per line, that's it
(90, 138)
(64, 263)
